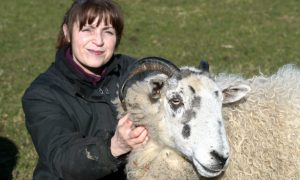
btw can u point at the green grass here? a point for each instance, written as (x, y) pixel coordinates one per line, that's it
(237, 36)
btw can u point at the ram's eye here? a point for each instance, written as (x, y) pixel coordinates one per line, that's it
(175, 103)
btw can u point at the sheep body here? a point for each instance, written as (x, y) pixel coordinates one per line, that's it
(264, 128)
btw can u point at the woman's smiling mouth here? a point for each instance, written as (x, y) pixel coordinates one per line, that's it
(96, 52)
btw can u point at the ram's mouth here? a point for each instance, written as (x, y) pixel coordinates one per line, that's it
(205, 171)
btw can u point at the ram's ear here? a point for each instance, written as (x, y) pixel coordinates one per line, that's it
(234, 93)
(156, 84)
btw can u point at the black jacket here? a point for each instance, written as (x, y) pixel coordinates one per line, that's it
(71, 122)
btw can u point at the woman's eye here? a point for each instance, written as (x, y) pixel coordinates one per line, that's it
(86, 30)
(110, 32)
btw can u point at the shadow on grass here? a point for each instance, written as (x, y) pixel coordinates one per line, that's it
(8, 158)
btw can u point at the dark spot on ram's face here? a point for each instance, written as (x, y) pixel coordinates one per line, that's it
(181, 91)
(188, 115)
(186, 131)
(196, 102)
(173, 115)
(216, 94)
(192, 89)
(220, 126)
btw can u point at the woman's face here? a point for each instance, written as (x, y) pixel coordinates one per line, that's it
(93, 45)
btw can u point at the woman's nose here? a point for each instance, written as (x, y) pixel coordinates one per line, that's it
(98, 40)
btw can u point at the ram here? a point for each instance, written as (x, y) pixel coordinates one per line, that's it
(182, 112)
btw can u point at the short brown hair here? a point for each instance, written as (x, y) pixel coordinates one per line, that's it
(86, 11)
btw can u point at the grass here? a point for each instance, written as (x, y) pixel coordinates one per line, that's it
(237, 36)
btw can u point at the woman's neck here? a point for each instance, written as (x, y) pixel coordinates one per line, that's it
(94, 77)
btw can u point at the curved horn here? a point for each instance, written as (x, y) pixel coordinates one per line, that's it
(147, 64)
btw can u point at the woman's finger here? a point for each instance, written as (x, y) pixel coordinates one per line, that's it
(136, 132)
(123, 119)
(139, 139)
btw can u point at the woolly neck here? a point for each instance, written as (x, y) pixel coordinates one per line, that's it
(80, 71)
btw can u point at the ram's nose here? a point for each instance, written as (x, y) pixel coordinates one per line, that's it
(219, 158)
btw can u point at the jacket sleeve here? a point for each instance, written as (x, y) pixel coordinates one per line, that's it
(66, 152)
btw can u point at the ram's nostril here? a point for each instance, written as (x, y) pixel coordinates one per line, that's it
(222, 160)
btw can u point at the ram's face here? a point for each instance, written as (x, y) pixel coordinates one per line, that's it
(181, 108)
(195, 124)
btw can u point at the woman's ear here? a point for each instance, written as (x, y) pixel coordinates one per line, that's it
(66, 32)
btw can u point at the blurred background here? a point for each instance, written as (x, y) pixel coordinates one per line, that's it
(246, 37)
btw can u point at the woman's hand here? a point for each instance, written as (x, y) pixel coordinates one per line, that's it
(127, 137)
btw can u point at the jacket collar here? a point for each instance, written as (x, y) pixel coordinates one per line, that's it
(81, 85)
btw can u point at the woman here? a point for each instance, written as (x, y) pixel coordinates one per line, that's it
(68, 108)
